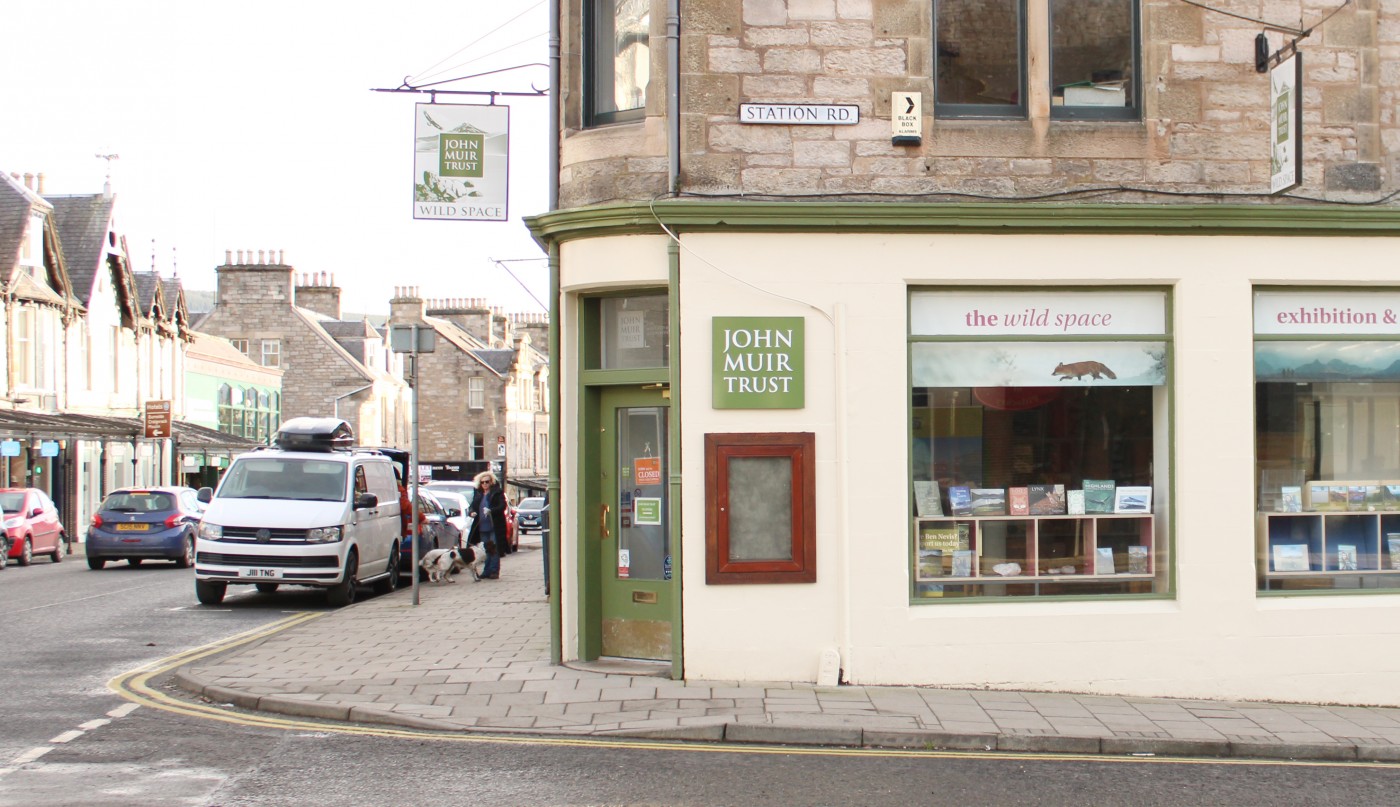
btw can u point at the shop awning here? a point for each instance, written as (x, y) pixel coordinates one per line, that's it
(20, 425)
(537, 484)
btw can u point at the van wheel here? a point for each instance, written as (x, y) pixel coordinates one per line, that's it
(391, 581)
(210, 592)
(96, 564)
(343, 593)
(266, 588)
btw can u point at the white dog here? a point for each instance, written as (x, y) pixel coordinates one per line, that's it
(441, 564)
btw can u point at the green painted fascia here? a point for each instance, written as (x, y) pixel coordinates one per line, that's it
(692, 215)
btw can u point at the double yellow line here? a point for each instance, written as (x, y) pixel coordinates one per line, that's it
(136, 687)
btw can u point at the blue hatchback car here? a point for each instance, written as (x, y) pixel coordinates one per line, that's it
(136, 524)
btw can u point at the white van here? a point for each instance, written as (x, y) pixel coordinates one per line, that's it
(311, 511)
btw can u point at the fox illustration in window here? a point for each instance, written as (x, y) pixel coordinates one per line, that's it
(1079, 369)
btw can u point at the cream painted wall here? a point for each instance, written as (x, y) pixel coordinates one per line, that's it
(1215, 638)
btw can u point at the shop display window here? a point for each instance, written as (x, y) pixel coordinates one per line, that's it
(1327, 445)
(1039, 467)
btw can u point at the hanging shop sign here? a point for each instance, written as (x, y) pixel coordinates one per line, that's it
(800, 114)
(1286, 124)
(758, 363)
(461, 161)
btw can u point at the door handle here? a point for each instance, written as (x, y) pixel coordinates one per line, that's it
(603, 523)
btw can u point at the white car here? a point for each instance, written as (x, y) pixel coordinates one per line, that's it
(455, 505)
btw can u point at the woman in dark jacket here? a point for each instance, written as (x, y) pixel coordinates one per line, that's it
(488, 527)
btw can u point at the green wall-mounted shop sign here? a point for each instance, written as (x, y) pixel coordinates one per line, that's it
(758, 363)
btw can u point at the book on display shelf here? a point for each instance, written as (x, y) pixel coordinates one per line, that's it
(1356, 498)
(930, 563)
(1047, 500)
(1346, 558)
(1291, 558)
(962, 562)
(926, 499)
(1290, 499)
(1137, 560)
(1074, 502)
(1103, 561)
(1392, 542)
(1018, 502)
(1098, 495)
(1129, 499)
(960, 500)
(988, 501)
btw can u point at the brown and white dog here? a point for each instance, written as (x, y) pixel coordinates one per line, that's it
(441, 564)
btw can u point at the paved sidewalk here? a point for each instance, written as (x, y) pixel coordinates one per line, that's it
(475, 657)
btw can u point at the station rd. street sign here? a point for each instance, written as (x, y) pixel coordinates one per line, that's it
(157, 418)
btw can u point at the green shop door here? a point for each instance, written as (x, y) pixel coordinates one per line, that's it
(630, 545)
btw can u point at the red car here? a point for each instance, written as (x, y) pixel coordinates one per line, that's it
(31, 525)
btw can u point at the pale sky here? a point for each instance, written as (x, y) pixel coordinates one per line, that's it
(252, 126)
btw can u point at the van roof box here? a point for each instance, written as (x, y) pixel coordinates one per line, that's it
(315, 434)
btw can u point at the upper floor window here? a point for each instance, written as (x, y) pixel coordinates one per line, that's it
(986, 61)
(476, 392)
(271, 353)
(617, 60)
(25, 347)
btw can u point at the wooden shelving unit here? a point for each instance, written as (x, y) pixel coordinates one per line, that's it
(1042, 548)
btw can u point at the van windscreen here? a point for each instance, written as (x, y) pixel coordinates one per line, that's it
(285, 478)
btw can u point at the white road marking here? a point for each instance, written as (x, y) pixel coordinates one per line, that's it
(81, 599)
(67, 736)
(31, 755)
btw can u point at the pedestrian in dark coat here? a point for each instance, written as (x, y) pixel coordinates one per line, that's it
(488, 509)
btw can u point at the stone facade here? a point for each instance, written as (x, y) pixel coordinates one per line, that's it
(256, 303)
(1203, 128)
(477, 341)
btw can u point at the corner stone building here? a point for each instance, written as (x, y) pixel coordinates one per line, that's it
(258, 309)
(485, 386)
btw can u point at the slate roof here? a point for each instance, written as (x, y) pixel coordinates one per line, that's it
(82, 223)
(343, 329)
(176, 307)
(498, 360)
(16, 203)
(147, 292)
